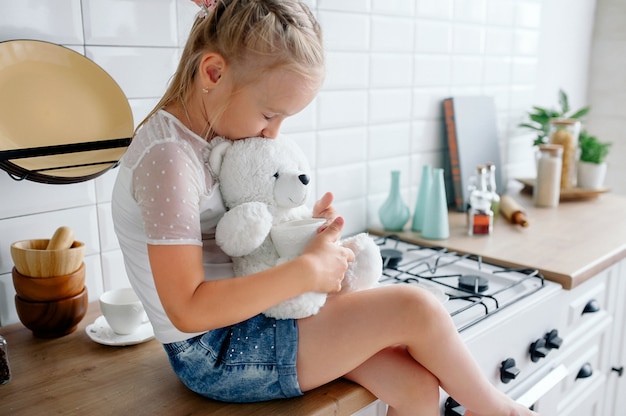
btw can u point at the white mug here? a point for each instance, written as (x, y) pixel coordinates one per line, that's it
(291, 237)
(122, 310)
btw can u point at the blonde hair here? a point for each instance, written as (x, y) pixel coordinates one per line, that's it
(253, 36)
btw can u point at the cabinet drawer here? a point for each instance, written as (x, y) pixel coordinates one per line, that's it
(583, 358)
(586, 302)
(588, 402)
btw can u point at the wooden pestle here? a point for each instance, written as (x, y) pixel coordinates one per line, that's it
(62, 239)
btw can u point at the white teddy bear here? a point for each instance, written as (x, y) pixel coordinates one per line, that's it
(265, 183)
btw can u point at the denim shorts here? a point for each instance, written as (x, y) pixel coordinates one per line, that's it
(252, 361)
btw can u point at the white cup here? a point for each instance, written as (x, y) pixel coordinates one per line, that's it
(123, 310)
(291, 237)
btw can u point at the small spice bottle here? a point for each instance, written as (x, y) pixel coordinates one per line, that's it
(480, 213)
(5, 371)
(492, 188)
(564, 132)
(547, 190)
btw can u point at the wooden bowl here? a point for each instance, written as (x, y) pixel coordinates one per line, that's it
(54, 318)
(31, 258)
(49, 288)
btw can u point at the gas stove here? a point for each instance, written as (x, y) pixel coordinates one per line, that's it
(472, 289)
(505, 315)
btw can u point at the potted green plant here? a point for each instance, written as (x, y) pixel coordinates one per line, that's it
(591, 164)
(539, 118)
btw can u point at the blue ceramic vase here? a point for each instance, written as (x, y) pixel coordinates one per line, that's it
(436, 226)
(422, 199)
(394, 213)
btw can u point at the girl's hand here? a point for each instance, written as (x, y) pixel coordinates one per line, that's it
(328, 260)
(323, 209)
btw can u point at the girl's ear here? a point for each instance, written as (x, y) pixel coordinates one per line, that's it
(212, 66)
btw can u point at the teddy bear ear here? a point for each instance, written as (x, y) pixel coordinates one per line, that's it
(217, 156)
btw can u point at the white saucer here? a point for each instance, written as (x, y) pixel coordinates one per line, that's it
(101, 332)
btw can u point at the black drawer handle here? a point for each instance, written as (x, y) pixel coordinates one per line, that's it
(619, 370)
(585, 371)
(592, 306)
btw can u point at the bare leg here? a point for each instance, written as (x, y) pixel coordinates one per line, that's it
(351, 332)
(404, 384)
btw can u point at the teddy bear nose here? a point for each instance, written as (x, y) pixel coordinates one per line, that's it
(304, 179)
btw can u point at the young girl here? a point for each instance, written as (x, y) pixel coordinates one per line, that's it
(247, 65)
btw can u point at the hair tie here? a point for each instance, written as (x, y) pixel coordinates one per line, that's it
(206, 6)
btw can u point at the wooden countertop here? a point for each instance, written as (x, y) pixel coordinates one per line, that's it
(568, 244)
(73, 375)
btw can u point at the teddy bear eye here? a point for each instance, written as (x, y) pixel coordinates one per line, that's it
(276, 175)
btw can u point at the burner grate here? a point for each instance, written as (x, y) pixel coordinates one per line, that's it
(455, 274)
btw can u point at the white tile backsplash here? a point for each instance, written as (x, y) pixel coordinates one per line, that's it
(336, 148)
(353, 183)
(391, 70)
(396, 7)
(392, 34)
(347, 70)
(389, 65)
(433, 36)
(432, 70)
(437, 9)
(498, 41)
(342, 108)
(528, 14)
(501, 12)
(130, 22)
(389, 140)
(470, 10)
(344, 31)
(389, 105)
(23, 197)
(141, 72)
(57, 21)
(467, 70)
(468, 39)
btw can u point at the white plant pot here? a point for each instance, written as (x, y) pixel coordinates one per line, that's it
(591, 175)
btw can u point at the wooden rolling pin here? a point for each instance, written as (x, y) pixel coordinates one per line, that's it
(513, 211)
(62, 239)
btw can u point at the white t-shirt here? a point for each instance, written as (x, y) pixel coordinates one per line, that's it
(165, 194)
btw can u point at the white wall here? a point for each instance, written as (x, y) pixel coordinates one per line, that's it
(607, 87)
(389, 65)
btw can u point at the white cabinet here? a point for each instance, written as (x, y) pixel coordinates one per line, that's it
(614, 399)
(585, 348)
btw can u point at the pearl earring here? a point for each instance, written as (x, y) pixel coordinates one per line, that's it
(205, 90)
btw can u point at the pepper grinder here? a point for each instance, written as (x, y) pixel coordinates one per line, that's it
(5, 371)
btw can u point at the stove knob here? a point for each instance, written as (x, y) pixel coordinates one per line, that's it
(538, 350)
(553, 341)
(508, 371)
(453, 408)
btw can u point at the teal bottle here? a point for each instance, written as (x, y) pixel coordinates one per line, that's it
(394, 213)
(422, 199)
(436, 226)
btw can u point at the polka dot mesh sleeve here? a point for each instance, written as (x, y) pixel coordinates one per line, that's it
(168, 182)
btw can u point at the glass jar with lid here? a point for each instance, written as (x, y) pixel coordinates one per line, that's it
(547, 190)
(564, 132)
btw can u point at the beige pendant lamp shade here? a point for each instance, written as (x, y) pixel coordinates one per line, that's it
(63, 119)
